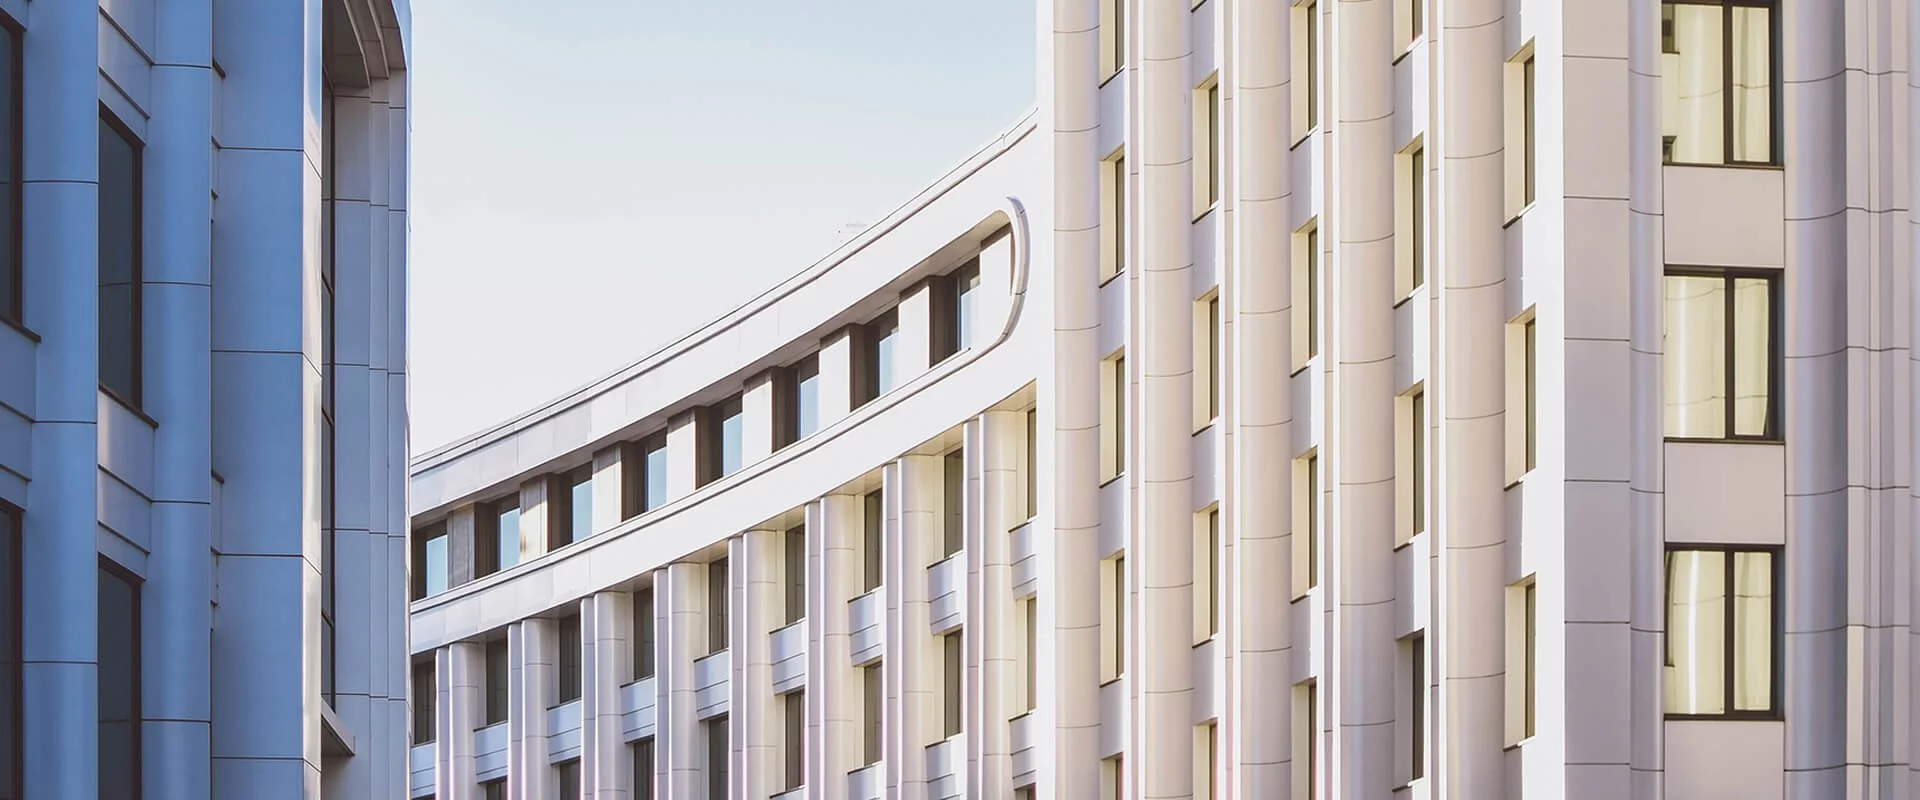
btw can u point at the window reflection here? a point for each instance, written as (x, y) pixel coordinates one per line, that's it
(1717, 81)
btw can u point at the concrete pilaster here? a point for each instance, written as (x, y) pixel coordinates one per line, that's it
(912, 666)
(460, 671)
(606, 771)
(833, 687)
(607, 489)
(531, 689)
(995, 447)
(754, 569)
(680, 627)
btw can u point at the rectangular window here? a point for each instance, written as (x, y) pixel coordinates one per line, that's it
(954, 502)
(1033, 463)
(886, 338)
(1522, 633)
(568, 679)
(119, 261)
(1206, 146)
(1208, 372)
(1313, 520)
(568, 779)
(872, 706)
(494, 790)
(728, 442)
(426, 694)
(953, 682)
(806, 398)
(1206, 744)
(966, 291)
(1310, 297)
(497, 529)
(1416, 649)
(1306, 738)
(643, 634)
(796, 567)
(117, 685)
(872, 520)
(1113, 778)
(12, 714)
(795, 746)
(1720, 79)
(643, 769)
(1529, 140)
(1306, 21)
(1416, 19)
(1113, 37)
(953, 296)
(11, 306)
(1723, 623)
(1206, 577)
(1414, 493)
(1113, 386)
(717, 606)
(1532, 364)
(1113, 216)
(1722, 351)
(570, 507)
(1417, 215)
(1032, 609)
(430, 560)
(654, 472)
(499, 672)
(1113, 622)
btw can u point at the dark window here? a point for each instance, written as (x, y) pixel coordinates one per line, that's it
(1120, 210)
(1313, 292)
(953, 677)
(1213, 144)
(1119, 43)
(1531, 635)
(425, 695)
(1119, 602)
(952, 311)
(569, 659)
(873, 520)
(886, 333)
(1417, 19)
(497, 529)
(872, 707)
(1529, 143)
(12, 735)
(494, 790)
(120, 227)
(954, 475)
(430, 560)
(1313, 65)
(1119, 415)
(1722, 351)
(1213, 571)
(717, 606)
(806, 398)
(1313, 520)
(1721, 57)
(580, 504)
(568, 784)
(644, 475)
(1723, 632)
(1532, 385)
(1419, 424)
(643, 769)
(1033, 652)
(10, 215)
(966, 287)
(1215, 373)
(1033, 463)
(717, 748)
(796, 739)
(796, 565)
(643, 634)
(1417, 718)
(118, 687)
(1417, 191)
(499, 671)
(731, 440)
(1312, 734)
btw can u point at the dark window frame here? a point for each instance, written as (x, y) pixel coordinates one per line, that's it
(107, 567)
(417, 544)
(795, 590)
(1776, 349)
(569, 667)
(487, 533)
(719, 597)
(424, 708)
(645, 639)
(1530, 139)
(636, 477)
(13, 259)
(137, 280)
(1776, 650)
(1776, 112)
(505, 666)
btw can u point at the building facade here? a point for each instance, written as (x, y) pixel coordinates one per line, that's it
(202, 324)
(1360, 399)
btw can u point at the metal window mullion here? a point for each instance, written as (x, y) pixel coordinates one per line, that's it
(1729, 696)
(1726, 83)
(1727, 353)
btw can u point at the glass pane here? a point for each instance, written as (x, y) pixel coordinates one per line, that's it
(1752, 361)
(808, 402)
(883, 360)
(509, 532)
(1695, 364)
(730, 443)
(118, 686)
(1753, 631)
(969, 285)
(436, 565)
(1752, 112)
(581, 507)
(119, 239)
(1696, 632)
(1693, 110)
(9, 199)
(657, 477)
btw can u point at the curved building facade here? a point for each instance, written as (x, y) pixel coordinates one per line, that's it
(1363, 399)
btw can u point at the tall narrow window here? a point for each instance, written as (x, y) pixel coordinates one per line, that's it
(806, 398)
(872, 706)
(498, 526)
(1113, 425)
(1417, 706)
(1210, 575)
(12, 724)
(494, 790)
(118, 683)
(425, 695)
(1113, 584)
(1417, 19)
(10, 221)
(1113, 216)
(568, 679)
(643, 634)
(1532, 387)
(1206, 745)
(1723, 622)
(430, 560)
(1311, 734)
(1206, 146)
(1033, 463)
(953, 678)
(1313, 64)
(1113, 778)
(729, 444)
(1722, 348)
(1419, 472)
(1313, 291)
(1417, 197)
(1215, 374)
(1113, 36)
(953, 295)
(643, 769)
(568, 780)
(795, 746)
(119, 260)
(886, 336)
(1032, 608)
(499, 671)
(1720, 81)
(717, 606)
(1313, 520)
(570, 507)
(796, 567)
(873, 521)
(654, 468)
(954, 479)
(1532, 635)
(1529, 140)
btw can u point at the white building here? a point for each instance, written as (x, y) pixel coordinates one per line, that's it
(1474, 399)
(202, 315)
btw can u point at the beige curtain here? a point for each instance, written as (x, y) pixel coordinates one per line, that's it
(1752, 84)
(1691, 85)
(1695, 363)
(1752, 368)
(1696, 632)
(1752, 631)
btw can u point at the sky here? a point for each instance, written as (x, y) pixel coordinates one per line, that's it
(592, 179)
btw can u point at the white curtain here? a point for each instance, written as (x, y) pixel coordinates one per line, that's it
(1753, 631)
(1695, 363)
(1752, 368)
(1691, 86)
(1752, 84)
(1696, 632)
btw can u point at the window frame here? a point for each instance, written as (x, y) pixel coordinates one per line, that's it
(1776, 645)
(569, 662)
(417, 545)
(1776, 350)
(15, 312)
(137, 280)
(1776, 113)
(425, 705)
(108, 568)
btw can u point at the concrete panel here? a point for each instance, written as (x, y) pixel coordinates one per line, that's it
(1726, 493)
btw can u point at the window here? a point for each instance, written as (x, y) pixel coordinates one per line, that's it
(570, 507)
(1416, 19)
(954, 481)
(568, 783)
(568, 680)
(1206, 146)
(966, 289)
(1530, 670)
(872, 706)
(1723, 623)
(724, 444)
(872, 520)
(1719, 82)
(1208, 375)
(1722, 351)
(1313, 520)
(494, 790)
(1530, 383)
(1113, 623)
(1411, 492)
(12, 733)
(1306, 522)
(1033, 463)
(1032, 608)
(1113, 390)
(796, 565)
(805, 406)
(1113, 36)
(1113, 216)
(643, 769)
(1305, 281)
(499, 672)
(1206, 744)
(118, 683)
(1113, 778)
(717, 606)
(425, 695)
(717, 752)
(953, 295)
(1529, 141)
(1416, 650)
(886, 334)
(11, 306)
(795, 746)
(1414, 256)
(953, 683)
(1206, 579)
(430, 560)
(1522, 633)
(498, 526)
(651, 483)
(1306, 63)
(1306, 738)
(643, 645)
(119, 240)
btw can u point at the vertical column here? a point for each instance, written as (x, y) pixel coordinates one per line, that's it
(1069, 592)
(833, 693)
(1815, 154)
(680, 627)
(754, 569)
(836, 376)
(605, 618)
(911, 669)
(913, 353)
(995, 448)
(759, 412)
(388, 362)
(1471, 610)
(683, 454)
(461, 547)
(178, 297)
(607, 486)
(1160, 550)
(533, 516)
(1256, 517)
(267, 327)
(531, 646)
(459, 669)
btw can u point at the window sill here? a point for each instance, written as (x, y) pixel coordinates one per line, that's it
(115, 397)
(22, 328)
(1408, 542)
(1736, 716)
(1516, 482)
(1516, 745)
(1211, 207)
(1207, 641)
(1304, 136)
(1726, 165)
(1113, 680)
(1408, 50)
(1409, 295)
(1521, 213)
(1749, 441)
(1118, 68)
(1111, 478)
(1115, 274)
(1207, 425)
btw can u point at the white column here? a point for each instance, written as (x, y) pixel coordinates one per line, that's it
(836, 377)
(912, 665)
(176, 697)
(1912, 145)
(606, 618)
(388, 418)
(533, 517)
(1256, 518)
(1819, 528)
(460, 672)
(913, 347)
(757, 423)
(1646, 296)
(680, 630)
(1068, 717)
(607, 475)
(995, 448)
(833, 688)
(754, 570)
(683, 455)
(531, 688)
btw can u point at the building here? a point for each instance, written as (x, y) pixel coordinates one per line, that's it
(202, 321)
(1378, 398)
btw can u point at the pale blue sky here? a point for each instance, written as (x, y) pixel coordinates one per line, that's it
(593, 178)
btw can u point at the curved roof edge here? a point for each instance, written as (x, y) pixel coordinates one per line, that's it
(1000, 144)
